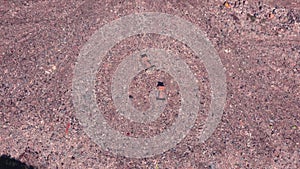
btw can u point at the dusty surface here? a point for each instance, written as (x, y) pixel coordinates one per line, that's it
(257, 41)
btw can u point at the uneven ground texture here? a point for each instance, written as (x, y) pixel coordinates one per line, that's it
(258, 43)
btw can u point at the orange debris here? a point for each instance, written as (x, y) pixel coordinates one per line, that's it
(227, 5)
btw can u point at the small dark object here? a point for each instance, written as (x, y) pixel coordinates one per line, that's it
(143, 55)
(6, 162)
(252, 17)
(160, 84)
(130, 96)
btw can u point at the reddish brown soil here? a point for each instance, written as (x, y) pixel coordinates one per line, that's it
(257, 41)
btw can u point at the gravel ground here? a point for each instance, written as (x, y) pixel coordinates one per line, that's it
(258, 43)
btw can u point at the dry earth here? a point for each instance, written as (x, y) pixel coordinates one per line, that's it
(258, 43)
